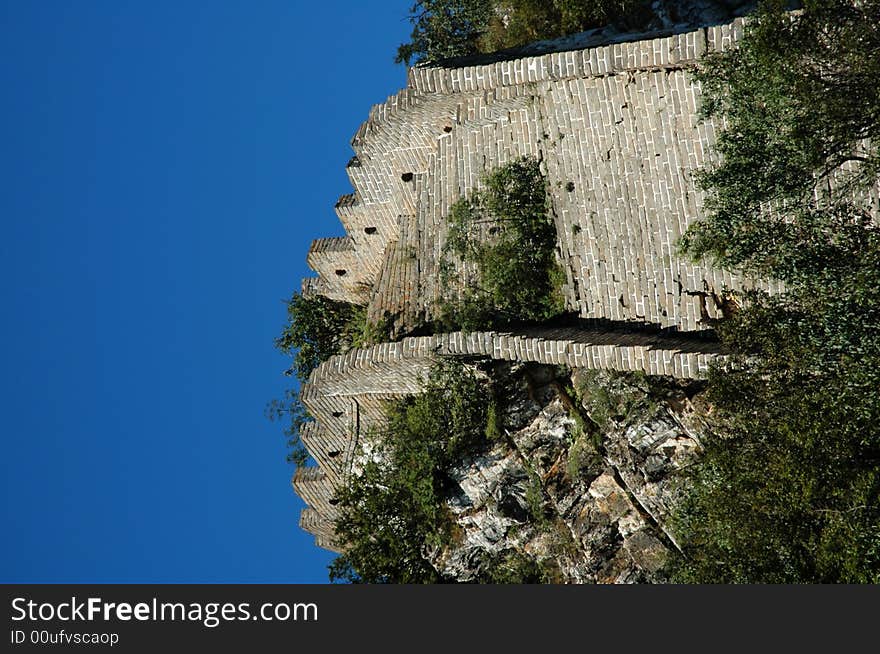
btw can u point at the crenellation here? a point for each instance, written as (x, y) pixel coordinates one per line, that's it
(316, 489)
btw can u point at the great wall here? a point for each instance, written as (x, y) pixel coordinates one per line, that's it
(617, 130)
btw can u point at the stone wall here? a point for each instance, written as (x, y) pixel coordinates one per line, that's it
(618, 132)
(619, 122)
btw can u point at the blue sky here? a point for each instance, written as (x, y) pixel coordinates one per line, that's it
(165, 166)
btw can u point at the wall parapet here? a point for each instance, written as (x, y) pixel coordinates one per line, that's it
(677, 50)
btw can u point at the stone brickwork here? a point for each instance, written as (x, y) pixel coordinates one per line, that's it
(618, 133)
(619, 122)
(658, 53)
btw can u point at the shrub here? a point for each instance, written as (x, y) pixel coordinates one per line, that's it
(444, 28)
(501, 246)
(513, 567)
(319, 327)
(537, 20)
(799, 99)
(454, 28)
(788, 488)
(393, 512)
(613, 398)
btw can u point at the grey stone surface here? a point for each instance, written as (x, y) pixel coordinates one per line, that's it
(619, 121)
(594, 527)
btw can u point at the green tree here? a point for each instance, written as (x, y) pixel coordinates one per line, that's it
(519, 22)
(317, 328)
(453, 28)
(443, 29)
(788, 488)
(801, 103)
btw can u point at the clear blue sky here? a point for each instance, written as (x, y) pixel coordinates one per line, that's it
(165, 164)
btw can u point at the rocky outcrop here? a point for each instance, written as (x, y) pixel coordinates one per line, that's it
(586, 504)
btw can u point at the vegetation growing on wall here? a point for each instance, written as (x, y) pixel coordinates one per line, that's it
(454, 28)
(515, 567)
(613, 397)
(500, 256)
(788, 489)
(317, 328)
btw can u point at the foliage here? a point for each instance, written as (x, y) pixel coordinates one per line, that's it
(513, 567)
(317, 328)
(444, 28)
(800, 98)
(494, 422)
(534, 497)
(536, 20)
(504, 239)
(393, 513)
(788, 488)
(454, 28)
(583, 453)
(614, 398)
